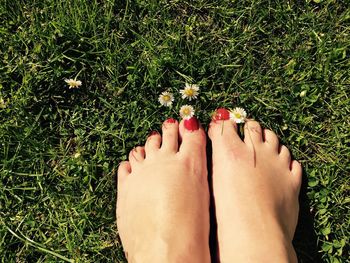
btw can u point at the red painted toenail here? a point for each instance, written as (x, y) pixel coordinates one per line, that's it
(171, 120)
(221, 114)
(152, 133)
(191, 124)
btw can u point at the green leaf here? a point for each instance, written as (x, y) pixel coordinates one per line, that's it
(313, 182)
(326, 231)
(327, 247)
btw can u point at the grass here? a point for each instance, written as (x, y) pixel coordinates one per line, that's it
(60, 147)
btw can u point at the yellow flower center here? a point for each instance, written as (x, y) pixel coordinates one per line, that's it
(166, 98)
(186, 111)
(73, 84)
(189, 92)
(238, 115)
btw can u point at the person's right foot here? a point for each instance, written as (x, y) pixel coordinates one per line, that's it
(163, 197)
(255, 187)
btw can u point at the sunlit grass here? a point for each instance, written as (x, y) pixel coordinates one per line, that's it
(286, 63)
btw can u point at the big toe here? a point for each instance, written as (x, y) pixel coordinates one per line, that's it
(222, 130)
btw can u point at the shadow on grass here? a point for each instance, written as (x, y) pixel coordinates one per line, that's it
(305, 239)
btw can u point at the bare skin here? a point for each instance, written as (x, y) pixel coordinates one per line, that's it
(163, 198)
(255, 187)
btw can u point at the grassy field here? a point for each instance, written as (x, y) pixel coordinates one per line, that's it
(286, 62)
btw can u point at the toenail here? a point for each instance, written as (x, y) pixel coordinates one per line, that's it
(152, 133)
(191, 124)
(221, 114)
(171, 120)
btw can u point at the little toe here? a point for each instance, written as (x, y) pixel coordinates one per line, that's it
(124, 170)
(297, 172)
(152, 144)
(170, 136)
(271, 139)
(252, 133)
(193, 138)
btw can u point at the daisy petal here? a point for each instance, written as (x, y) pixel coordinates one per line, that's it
(166, 99)
(190, 91)
(72, 83)
(238, 115)
(186, 112)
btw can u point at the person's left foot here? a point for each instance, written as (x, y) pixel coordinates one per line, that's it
(255, 189)
(163, 197)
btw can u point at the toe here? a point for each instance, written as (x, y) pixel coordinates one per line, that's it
(193, 138)
(297, 172)
(139, 153)
(136, 155)
(222, 130)
(152, 144)
(271, 139)
(285, 155)
(170, 136)
(124, 170)
(132, 158)
(252, 133)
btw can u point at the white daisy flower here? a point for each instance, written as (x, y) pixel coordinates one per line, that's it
(238, 115)
(73, 83)
(190, 91)
(2, 103)
(166, 98)
(186, 112)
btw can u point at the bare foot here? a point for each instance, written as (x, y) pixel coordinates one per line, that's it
(163, 197)
(255, 187)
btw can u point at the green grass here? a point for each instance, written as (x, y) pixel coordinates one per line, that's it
(56, 206)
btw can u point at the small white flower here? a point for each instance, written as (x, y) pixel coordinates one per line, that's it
(2, 103)
(166, 98)
(238, 115)
(73, 83)
(303, 93)
(190, 91)
(186, 112)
